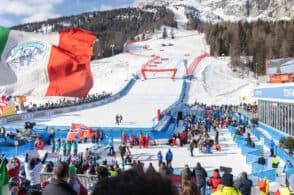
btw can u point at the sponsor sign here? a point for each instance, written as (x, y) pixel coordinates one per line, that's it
(280, 66)
(72, 109)
(49, 113)
(285, 92)
(27, 116)
(3, 121)
(26, 55)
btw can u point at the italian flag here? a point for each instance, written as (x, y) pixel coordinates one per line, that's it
(53, 64)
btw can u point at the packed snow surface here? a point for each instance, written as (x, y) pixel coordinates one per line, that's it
(138, 107)
(215, 83)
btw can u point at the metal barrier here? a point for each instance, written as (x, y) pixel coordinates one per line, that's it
(252, 154)
(87, 180)
(246, 149)
(281, 153)
(289, 172)
(284, 155)
(247, 114)
(251, 158)
(270, 174)
(273, 132)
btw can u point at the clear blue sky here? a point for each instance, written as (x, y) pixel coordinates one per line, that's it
(14, 12)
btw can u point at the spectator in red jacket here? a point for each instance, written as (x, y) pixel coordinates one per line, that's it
(132, 140)
(141, 140)
(215, 180)
(13, 167)
(124, 138)
(146, 141)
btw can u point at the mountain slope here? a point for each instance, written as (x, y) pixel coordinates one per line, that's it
(233, 10)
(111, 27)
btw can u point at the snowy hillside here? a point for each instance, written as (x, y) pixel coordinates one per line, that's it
(215, 83)
(138, 107)
(219, 10)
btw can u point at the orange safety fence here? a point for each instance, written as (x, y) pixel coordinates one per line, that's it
(281, 78)
(194, 64)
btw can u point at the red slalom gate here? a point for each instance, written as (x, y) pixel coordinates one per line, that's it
(174, 70)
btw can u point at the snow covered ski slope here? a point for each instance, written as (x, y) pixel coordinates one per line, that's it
(138, 107)
(215, 83)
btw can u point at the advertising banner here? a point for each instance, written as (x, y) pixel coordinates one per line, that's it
(280, 66)
(282, 92)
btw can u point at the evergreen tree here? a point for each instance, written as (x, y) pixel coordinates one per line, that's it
(164, 33)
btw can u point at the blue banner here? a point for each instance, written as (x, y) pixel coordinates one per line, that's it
(282, 92)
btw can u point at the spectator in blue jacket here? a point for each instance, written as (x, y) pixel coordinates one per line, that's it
(111, 148)
(159, 158)
(169, 158)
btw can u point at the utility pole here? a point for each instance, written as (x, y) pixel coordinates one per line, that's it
(97, 47)
(112, 49)
(256, 70)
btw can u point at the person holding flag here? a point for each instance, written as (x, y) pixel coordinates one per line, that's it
(86, 132)
(73, 132)
(3, 177)
(79, 130)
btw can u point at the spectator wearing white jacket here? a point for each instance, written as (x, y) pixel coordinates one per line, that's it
(33, 168)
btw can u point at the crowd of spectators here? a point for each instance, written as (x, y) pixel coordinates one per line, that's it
(66, 102)
(250, 108)
(132, 176)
